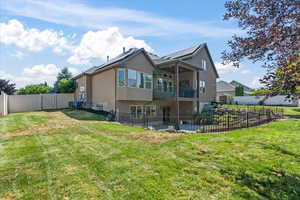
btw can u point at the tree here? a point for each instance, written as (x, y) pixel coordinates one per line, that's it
(6, 87)
(239, 90)
(64, 74)
(272, 36)
(260, 92)
(35, 89)
(66, 86)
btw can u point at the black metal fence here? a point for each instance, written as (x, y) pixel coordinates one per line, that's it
(217, 120)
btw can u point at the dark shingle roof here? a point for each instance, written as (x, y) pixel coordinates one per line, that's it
(184, 52)
(118, 59)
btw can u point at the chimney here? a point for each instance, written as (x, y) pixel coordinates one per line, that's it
(124, 49)
(107, 58)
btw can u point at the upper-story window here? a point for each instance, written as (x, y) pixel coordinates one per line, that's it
(201, 86)
(148, 81)
(121, 78)
(204, 67)
(132, 78)
(139, 80)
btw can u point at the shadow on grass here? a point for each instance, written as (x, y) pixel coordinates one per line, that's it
(280, 150)
(83, 115)
(276, 185)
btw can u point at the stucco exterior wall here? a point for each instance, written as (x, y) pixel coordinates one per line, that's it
(139, 63)
(81, 83)
(103, 89)
(209, 75)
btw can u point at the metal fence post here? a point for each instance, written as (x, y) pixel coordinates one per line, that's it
(247, 122)
(228, 126)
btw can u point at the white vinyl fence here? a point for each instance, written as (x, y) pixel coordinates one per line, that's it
(24, 103)
(3, 104)
(280, 100)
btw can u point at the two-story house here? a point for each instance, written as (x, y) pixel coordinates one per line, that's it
(141, 83)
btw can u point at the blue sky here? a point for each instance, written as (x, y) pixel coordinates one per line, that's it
(39, 37)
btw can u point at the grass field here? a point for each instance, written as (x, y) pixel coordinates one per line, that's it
(293, 112)
(71, 155)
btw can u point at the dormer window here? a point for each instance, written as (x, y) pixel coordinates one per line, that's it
(204, 67)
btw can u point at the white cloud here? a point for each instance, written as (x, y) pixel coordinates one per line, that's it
(36, 74)
(131, 22)
(227, 68)
(255, 83)
(32, 39)
(18, 54)
(101, 44)
(245, 71)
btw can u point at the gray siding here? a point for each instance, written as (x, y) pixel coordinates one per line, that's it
(209, 76)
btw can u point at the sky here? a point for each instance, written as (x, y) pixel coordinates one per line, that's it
(40, 37)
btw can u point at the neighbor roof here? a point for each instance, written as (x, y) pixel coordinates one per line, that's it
(246, 88)
(223, 86)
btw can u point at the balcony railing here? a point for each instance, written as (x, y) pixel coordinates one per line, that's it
(161, 93)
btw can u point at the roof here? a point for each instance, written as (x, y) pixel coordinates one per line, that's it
(177, 56)
(118, 60)
(184, 52)
(246, 88)
(223, 86)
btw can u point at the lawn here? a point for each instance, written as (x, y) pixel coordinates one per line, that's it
(292, 112)
(71, 157)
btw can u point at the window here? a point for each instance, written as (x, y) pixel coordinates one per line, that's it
(132, 78)
(159, 84)
(201, 86)
(165, 85)
(140, 80)
(148, 81)
(204, 65)
(150, 110)
(138, 111)
(170, 86)
(121, 77)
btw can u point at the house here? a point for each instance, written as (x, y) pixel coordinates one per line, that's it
(141, 83)
(247, 90)
(226, 91)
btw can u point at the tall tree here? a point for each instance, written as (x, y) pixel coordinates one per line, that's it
(64, 74)
(7, 87)
(272, 36)
(35, 89)
(66, 86)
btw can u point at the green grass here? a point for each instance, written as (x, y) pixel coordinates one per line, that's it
(83, 115)
(14, 122)
(99, 160)
(288, 111)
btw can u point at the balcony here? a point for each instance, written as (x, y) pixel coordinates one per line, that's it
(160, 93)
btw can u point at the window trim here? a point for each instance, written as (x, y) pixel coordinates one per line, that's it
(118, 80)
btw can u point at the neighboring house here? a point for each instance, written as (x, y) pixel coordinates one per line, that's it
(247, 90)
(225, 92)
(141, 83)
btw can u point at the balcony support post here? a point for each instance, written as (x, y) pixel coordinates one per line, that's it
(197, 92)
(177, 125)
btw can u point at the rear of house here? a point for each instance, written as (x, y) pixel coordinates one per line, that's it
(138, 83)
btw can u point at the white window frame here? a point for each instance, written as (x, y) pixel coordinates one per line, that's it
(136, 79)
(204, 64)
(149, 81)
(202, 86)
(152, 113)
(118, 80)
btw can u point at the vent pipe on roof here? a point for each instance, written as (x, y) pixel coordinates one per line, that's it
(124, 49)
(107, 58)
